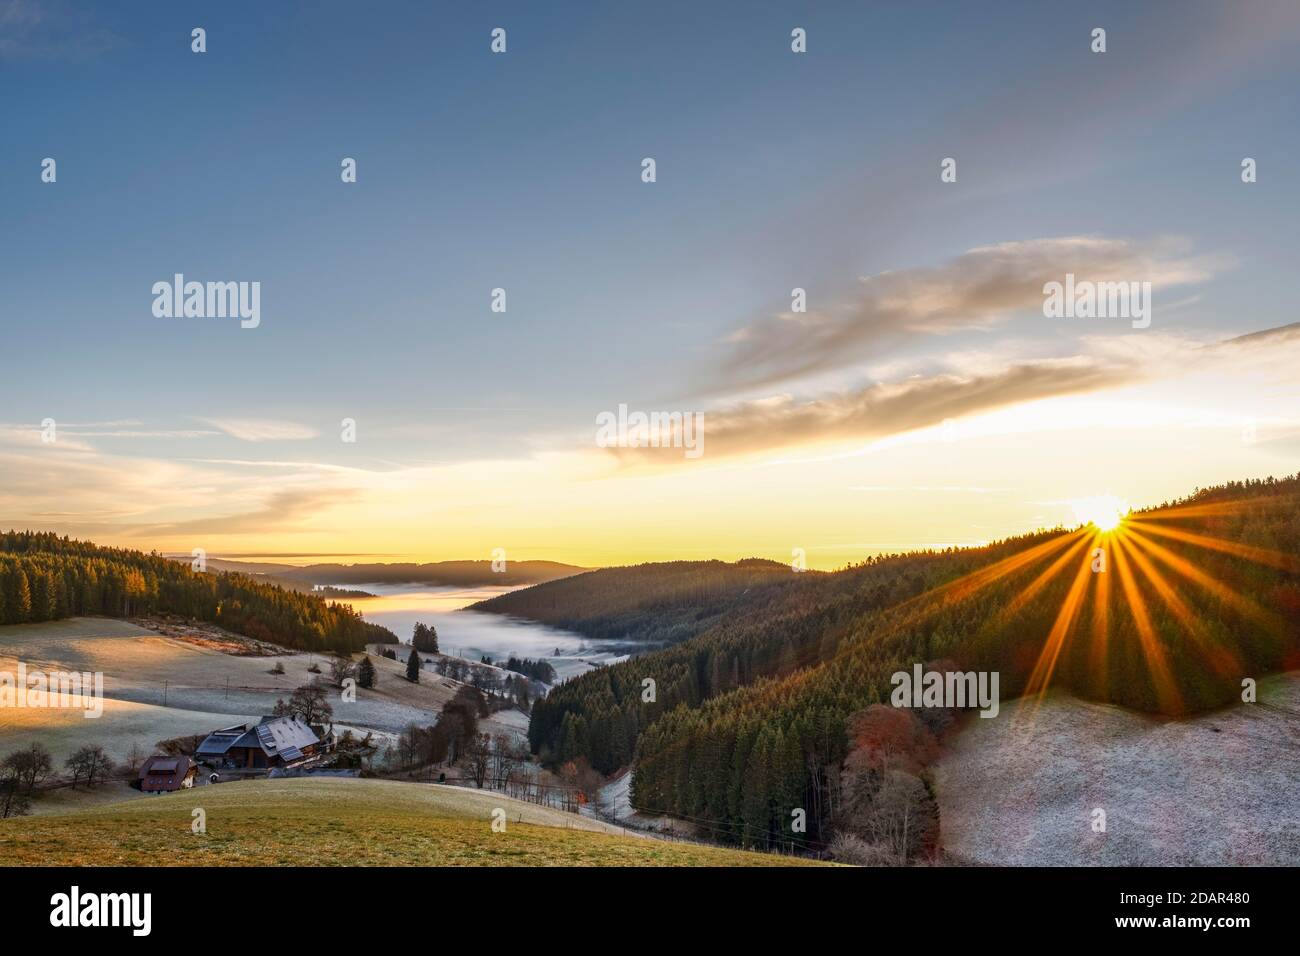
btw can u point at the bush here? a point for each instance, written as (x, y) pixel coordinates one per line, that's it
(855, 851)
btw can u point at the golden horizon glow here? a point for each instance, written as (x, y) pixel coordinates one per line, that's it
(1013, 472)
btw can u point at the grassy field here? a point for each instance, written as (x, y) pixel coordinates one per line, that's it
(340, 822)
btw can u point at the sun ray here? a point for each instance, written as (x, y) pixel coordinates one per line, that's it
(1143, 566)
(1043, 578)
(1041, 676)
(1238, 602)
(1220, 658)
(1099, 647)
(1162, 679)
(945, 595)
(1274, 559)
(1211, 510)
(1048, 574)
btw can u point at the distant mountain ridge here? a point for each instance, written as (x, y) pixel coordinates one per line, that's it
(445, 573)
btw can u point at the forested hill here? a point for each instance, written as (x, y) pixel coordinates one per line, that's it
(44, 577)
(650, 604)
(750, 714)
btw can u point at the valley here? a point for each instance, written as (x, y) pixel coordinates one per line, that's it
(745, 705)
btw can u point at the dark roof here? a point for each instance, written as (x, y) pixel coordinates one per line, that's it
(248, 738)
(219, 741)
(165, 773)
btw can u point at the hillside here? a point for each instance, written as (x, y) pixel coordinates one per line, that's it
(650, 604)
(1175, 792)
(159, 686)
(45, 577)
(340, 822)
(750, 714)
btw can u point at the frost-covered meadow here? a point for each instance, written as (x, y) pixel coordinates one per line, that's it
(1218, 789)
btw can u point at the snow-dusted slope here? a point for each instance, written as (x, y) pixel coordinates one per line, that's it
(1222, 788)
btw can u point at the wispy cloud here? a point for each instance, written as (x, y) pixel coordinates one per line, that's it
(979, 289)
(285, 510)
(889, 408)
(259, 429)
(127, 428)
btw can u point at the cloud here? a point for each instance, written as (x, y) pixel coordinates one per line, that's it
(979, 289)
(889, 408)
(256, 429)
(29, 437)
(89, 494)
(288, 509)
(1264, 339)
(130, 428)
(154, 433)
(1266, 358)
(301, 466)
(89, 487)
(83, 491)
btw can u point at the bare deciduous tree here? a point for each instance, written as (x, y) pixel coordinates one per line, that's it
(478, 755)
(14, 800)
(341, 668)
(90, 763)
(134, 757)
(507, 754)
(30, 766)
(307, 703)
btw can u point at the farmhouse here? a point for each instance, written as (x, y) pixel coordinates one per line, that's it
(274, 742)
(161, 774)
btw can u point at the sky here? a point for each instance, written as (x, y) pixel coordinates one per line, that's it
(923, 399)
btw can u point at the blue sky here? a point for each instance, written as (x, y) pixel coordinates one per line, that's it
(521, 170)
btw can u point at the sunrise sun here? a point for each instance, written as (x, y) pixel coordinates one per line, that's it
(1104, 512)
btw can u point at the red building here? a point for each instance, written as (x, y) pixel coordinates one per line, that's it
(162, 774)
